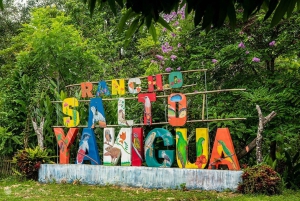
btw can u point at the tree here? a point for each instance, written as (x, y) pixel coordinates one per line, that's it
(207, 13)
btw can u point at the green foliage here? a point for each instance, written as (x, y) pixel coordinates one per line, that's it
(207, 13)
(291, 172)
(260, 179)
(29, 160)
(8, 142)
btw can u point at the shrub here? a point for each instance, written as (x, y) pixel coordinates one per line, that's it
(29, 160)
(260, 179)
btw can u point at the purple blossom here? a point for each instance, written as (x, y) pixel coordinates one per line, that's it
(255, 59)
(272, 43)
(166, 47)
(179, 68)
(173, 57)
(168, 69)
(241, 45)
(214, 61)
(164, 29)
(179, 45)
(153, 61)
(173, 35)
(247, 52)
(159, 57)
(176, 23)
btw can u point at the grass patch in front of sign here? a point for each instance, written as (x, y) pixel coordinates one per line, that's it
(10, 189)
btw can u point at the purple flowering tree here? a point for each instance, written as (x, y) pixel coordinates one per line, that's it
(166, 54)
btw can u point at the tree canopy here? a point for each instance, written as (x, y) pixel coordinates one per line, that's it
(206, 12)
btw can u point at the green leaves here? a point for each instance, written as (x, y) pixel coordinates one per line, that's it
(164, 23)
(284, 7)
(152, 31)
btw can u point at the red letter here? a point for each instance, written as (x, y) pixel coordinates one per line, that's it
(147, 99)
(137, 147)
(64, 143)
(157, 81)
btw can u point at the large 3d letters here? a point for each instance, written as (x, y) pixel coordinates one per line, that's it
(88, 150)
(121, 148)
(86, 88)
(64, 143)
(121, 114)
(66, 107)
(175, 79)
(102, 89)
(201, 148)
(166, 155)
(96, 113)
(147, 99)
(137, 147)
(118, 87)
(177, 111)
(108, 143)
(134, 85)
(223, 151)
(157, 80)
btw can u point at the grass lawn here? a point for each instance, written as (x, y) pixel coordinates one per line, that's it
(10, 189)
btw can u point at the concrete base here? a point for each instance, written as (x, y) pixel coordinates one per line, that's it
(145, 177)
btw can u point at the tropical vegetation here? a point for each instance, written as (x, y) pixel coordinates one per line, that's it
(49, 45)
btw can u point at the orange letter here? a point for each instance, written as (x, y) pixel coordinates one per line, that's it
(86, 88)
(64, 143)
(177, 115)
(223, 151)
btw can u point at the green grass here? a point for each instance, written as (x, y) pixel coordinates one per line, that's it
(11, 189)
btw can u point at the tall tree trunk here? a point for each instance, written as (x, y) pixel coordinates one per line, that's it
(251, 145)
(39, 132)
(262, 121)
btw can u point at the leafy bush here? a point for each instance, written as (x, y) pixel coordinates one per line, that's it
(291, 173)
(29, 160)
(260, 179)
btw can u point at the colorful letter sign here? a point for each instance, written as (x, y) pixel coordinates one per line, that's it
(108, 143)
(223, 151)
(64, 143)
(201, 148)
(166, 155)
(68, 104)
(121, 148)
(147, 99)
(137, 147)
(177, 109)
(118, 87)
(175, 79)
(88, 149)
(155, 81)
(96, 113)
(134, 85)
(121, 114)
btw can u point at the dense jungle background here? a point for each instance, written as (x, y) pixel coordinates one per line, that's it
(47, 45)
